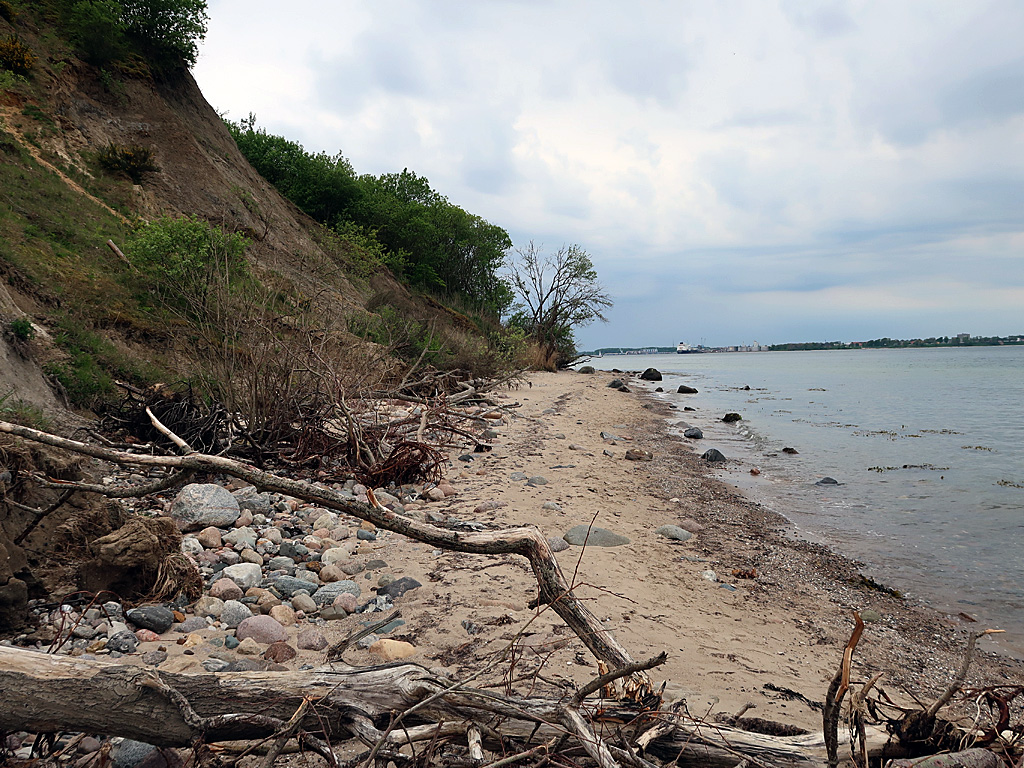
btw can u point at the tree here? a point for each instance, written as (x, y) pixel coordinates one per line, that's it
(557, 293)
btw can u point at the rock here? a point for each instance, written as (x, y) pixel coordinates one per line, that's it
(249, 556)
(303, 602)
(293, 549)
(713, 455)
(659, 389)
(245, 575)
(694, 433)
(870, 616)
(214, 665)
(335, 555)
(399, 587)
(586, 369)
(191, 624)
(552, 506)
(332, 573)
(279, 653)
(558, 544)
(674, 532)
(593, 537)
(447, 489)
(685, 390)
(154, 658)
(241, 538)
(311, 640)
(137, 754)
(248, 647)
(609, 436)
(790, 451)
(199, 505)
(828, 481)
(637, 454)
(651, 374)
(326, 594)
(191, 546)
(690, 525)
(225, 589)
(289, 585)
(153, 617)
(434, 494)
(346, 602)
(364, 535)
(209, 537)
(283, 615)
(352, 567)
(146, 636)
(263, 629)
(122, 642)
(208, 606)
(250, 500)
(537, 480)
(616, 383)
(392, 650)
(234, 613)
(731, 417)
(245, 518)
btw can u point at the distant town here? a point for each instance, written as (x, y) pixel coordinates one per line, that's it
(959, 340)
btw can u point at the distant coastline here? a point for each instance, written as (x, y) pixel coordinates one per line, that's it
(960, 340)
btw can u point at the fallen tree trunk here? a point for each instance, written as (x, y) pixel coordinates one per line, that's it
(43, 693)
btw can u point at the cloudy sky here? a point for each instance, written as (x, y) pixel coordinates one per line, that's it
(738, 170)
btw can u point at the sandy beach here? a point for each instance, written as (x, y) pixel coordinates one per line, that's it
(730, 642)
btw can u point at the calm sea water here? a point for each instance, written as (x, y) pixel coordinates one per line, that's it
(928, 445)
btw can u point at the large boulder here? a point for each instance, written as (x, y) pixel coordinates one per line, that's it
(199, 505)
(586, 369)
(651, 374)
(713, 455)
(685, 390)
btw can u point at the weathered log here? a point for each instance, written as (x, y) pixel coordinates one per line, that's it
(43, 693)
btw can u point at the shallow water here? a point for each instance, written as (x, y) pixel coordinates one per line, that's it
(928, 445)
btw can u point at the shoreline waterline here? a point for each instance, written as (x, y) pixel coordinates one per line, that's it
(940, 533)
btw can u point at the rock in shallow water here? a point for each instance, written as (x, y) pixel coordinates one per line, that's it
(713, 455)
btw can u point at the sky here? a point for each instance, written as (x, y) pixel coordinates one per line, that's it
(738, 171)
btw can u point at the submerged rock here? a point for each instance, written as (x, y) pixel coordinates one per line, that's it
(731, 417)
(651, 374)
(685, 390)
(694, 433)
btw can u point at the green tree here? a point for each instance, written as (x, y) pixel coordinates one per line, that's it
(97, 30)
(556, 294)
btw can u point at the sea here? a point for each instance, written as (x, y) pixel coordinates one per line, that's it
(926, 447)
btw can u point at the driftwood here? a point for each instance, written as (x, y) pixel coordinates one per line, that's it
(43, 693)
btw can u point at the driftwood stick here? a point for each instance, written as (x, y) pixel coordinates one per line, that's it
(834, 697)
(961, 675)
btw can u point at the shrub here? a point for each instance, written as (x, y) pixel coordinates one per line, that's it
(96, 30)
(15, 56)
(133, 161)
(7, 11)
(21, 329)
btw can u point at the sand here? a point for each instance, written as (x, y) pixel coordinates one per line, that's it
(728, 646)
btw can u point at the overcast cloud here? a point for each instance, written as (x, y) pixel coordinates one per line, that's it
(739, 171)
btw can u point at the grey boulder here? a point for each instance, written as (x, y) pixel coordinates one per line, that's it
(199, 505)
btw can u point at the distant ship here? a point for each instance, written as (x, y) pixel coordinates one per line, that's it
(682, 348)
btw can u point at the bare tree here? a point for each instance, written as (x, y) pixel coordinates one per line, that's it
(557, 293)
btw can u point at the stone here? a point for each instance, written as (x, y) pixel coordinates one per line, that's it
(364, 535)
(333, 613)
(283, 615)
(250, 500)
(870, 616)
(303, 602)
(289, 585)
(552, 506)
(231, 642)
(674, 532)
(245, 575)
(241, 538)
(208, 606)
(273, 535)
(146, 636)
(399, 587)
(192, 624)
(225, 589)
(392, 650)
(199, 505)
(615, 383)
(447, 489)
(248, 647)
(138, 754)
(249, 556)
(731, 417)
(685, 390)
(586, 369)
(651, 374)
(694, 433)
(690, 525)
(434, 494)
(828, 481)
(122, 642)
(790, 451)
(214, 665)
(234, 613)
(153, 617)
(154, 658)
(335, 555)
(638, 454)
(311, 639)
(263, 629)
(245, 518)
(558, 544)
(191, 546)
(537, 480)
(713, 455)
(346, 602)
(624, 388)
(209, 537)
(352, 567)
(279, 653)
(332, 573)
(293, 549)
(593, 537)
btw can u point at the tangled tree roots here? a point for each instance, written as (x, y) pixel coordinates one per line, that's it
(408, 462)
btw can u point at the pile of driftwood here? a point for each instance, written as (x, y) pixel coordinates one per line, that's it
(403, 715)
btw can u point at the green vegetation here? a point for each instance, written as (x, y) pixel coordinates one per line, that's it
(961, 340)
(21, 329)
(24, 413)
(165, 33)
(133, 161)
(416, 232)
(15, 56)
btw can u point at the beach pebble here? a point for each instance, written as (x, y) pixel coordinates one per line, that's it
(552, 506)
(283, 615)
(245, 575)
(328, 592)
(364, 535)
(279, 652)
(234, 613)
(392, 650)
(694, 433)
(214, 665)
(122, 642)
(332, 573)
(225, 589)
(311, 639)
(303, 602)
(674, 532)
(263, 629)
(731, 417)
(558, 544)
(154, 658)
(191, 546)
(208, 606)
(586, 369)
(709, 576)
(153, 617)
(828, 481)
(537, 480)
(210, 537)
(615, 383)
(790, 451)
(248, 647)
(593, 537)
(192, 624)
(690, 525)
(399, 587)
(146, 636)
(435, 494)
(651, 374)
(637, 454)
